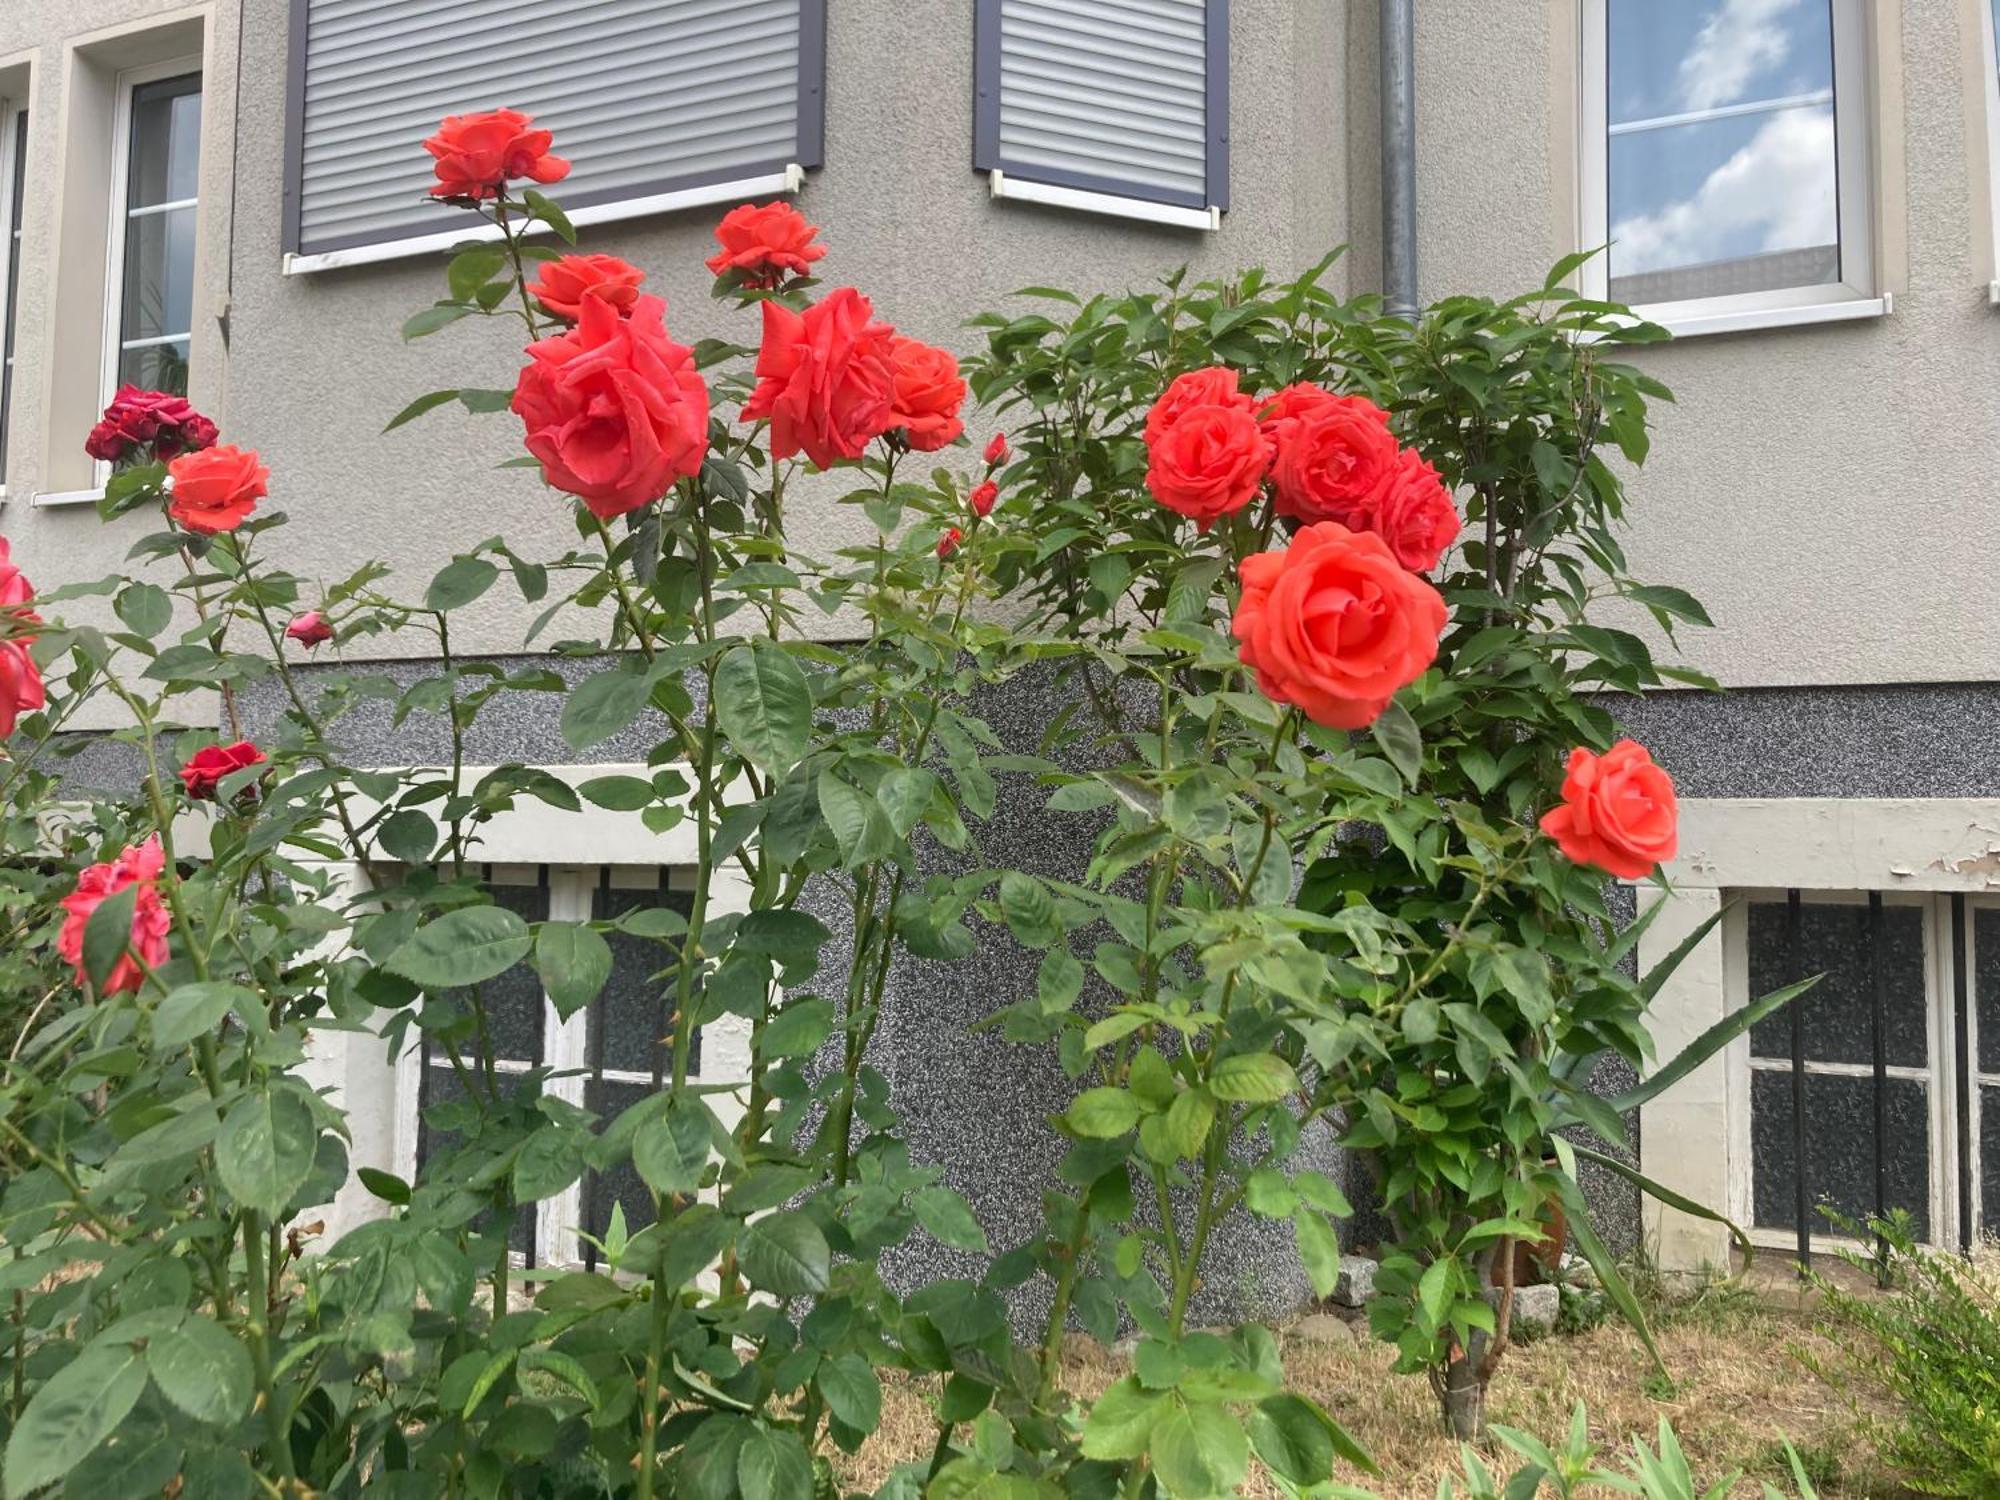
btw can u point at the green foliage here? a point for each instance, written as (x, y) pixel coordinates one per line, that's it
(1931, 1337)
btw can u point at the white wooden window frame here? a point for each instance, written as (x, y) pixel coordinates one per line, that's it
(1939, 1073)
(575, 846)
(1855, 296)
(1989, 51)
(118, 232)
(12, 161)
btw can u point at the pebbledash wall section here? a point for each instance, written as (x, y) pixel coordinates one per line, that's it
(1825, 490)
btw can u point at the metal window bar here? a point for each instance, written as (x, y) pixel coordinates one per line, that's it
(594, 1101)
(1879, 1057)
(1801, 1189)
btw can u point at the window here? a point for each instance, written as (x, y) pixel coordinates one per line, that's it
(1895, 1055)
(1990, 39)
(605, 1057)
(151, 319)
(1725, 160)
(656, 106)
(13, 185)
(1118, 106)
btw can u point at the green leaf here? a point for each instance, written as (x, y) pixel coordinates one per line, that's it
(1605, 1264)
(1102, 1113)
(904, 794)
(408, 836)
(852, 1391)
(574, 962)
(1253, 1078)
(1705, 1046)
(192, 1010)
(1199, 1451)
(1436, 1289)
(458, 583)
(264, 1152)
(1029, 910)
(431, 319)
(1319, 1249)
(1188, 1121)
(764, 705)
(671, 1149)
(799, 1029)
(949, 1219)
(203, 1369)
(79, 1407)
(784, 1254)
(773, 1464)
(859, 825)
(1672, 600)
(618, 793)
(472, 268)
(548, 1161)
(107, 934)
(604, 704)
(463, 947)
(145, 609)
(429, 401)
(1400, 739)
(1297, 1439)
(1121, 1421)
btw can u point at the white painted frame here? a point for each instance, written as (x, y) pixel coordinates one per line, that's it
(118, 230)
(12, 160)
(1989, 52)
(1053, 195)
(575, 845)
(1855, 296)
(1693, 1137)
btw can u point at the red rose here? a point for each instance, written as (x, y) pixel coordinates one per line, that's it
(996, 450)
(561, 285)
(1207, 462)
(137, 419)
(208, 766)
(984, 496)
(764, 242)
(614, 409)
(1416, 518)
(15, 590)
(925, 394)
(1336, 461)
(1335, 625)
(478, 154)
(825, 378)
(21, 690)
(139, 866)
(1213, 386)
(948, 543)
(309, 629)
(1618, 812)
(216, 488)
(1280, 416)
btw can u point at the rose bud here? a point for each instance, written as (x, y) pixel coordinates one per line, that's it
(309, 629)
(996, 450)
(983, 496)
(948, 543)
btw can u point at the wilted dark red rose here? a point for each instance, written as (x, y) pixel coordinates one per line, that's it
(478, 155)
(825, 378)
(140, 865)
(156, 421)
(207, 766)
(764, 243)
(563, 283)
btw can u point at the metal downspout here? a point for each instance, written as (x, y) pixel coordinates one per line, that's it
(1399, 156)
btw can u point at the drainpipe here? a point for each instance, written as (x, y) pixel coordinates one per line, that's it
(1399, 157)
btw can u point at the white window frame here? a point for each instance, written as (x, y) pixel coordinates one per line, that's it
(1855, 296)
(1989, 51)
(11, 161)
(118, 232)
(1939, 1072)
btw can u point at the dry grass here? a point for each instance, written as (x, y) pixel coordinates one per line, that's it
(1740, 1385)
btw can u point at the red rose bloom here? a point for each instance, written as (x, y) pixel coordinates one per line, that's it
(765, 242)
(1280, 416)
(141, 866)
(478, 154)
(1336, 461)
(948, 543)
(996, 450)
(21, 688)
(15, 590)
(208, 766)
(1213, 386)
(217, 488)
(1334, 625)
(925, 394)
(984, 496)
(1207, 462)
(1618, 812)
(614, 409)
(138, 419)
(561, 285)
(825, 378)
(309, 629)
(1416, 518)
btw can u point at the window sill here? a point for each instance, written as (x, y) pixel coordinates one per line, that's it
(790, 180)
(68, 497)
(1684, 325)
(1020, 190)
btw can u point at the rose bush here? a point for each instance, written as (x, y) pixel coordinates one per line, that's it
(1316, 890)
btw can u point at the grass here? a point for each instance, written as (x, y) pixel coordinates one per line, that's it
(1738, 1389)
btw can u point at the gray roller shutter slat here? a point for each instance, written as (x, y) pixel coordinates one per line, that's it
(642, 95)
(1111, 93)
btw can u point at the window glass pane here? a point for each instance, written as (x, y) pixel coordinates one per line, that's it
(1840, 1148)
(1722, 160)
(635, 1012)
(15, 193)
(1989, 1160)
(1837, 1012)
(166, 141)
(1986, 984)
(156, 367)
(159, 274)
